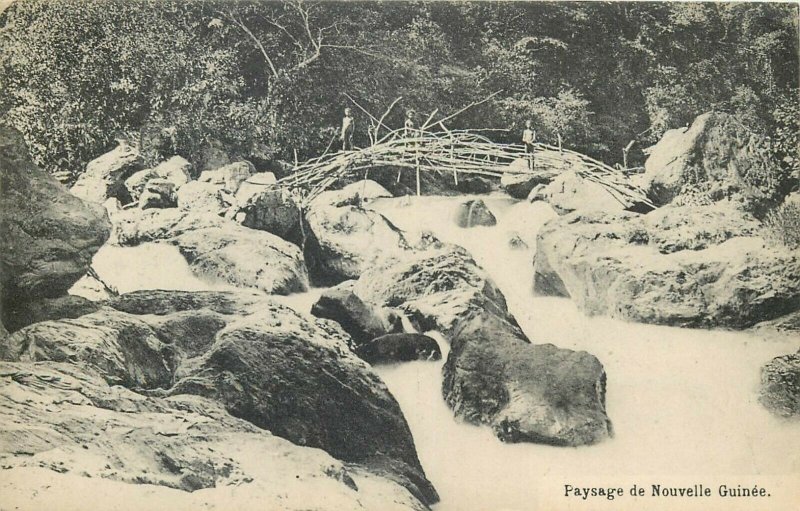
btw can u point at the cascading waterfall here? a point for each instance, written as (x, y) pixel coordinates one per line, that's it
(682, 401)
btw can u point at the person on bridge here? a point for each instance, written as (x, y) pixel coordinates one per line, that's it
(528, 138)
(348, 128)
(409, 124)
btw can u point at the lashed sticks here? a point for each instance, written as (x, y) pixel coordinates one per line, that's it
(457, 151)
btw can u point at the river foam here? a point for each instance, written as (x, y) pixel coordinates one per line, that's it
(683, 402)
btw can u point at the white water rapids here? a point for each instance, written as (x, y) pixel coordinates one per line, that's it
(683, 402)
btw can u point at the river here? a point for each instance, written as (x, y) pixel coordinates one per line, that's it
(683, 402)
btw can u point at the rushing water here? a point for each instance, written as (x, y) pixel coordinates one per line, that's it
(683, 402)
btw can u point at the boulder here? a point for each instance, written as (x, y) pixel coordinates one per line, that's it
(400, 347)
(230, 176)
(474, 213)
(47, 235)
(519, 180)
(68, 429)
(105, 176)
(218, 249)
(718, 155)
(158, 193)
(672, 229)
(206, 197)
(262, 361)
(473, 184)
(788, 323)
(345, 241)
(362, 321)
(515, 242)
(20, 314)
(123, 349)
(352, 195)
(569, 192)
(493, 375)
(780, 385)
(268, 209)
(245, 258)
(668, 270)
(254, 185)
(436, 288)
(525, 392)
(176, 170)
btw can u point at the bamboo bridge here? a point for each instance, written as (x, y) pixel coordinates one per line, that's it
(458, 152)
(434, 148)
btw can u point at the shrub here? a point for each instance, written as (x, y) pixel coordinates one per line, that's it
(782, 224)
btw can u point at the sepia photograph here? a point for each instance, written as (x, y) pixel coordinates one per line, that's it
(396, 255)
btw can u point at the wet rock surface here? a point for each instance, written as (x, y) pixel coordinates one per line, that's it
(19, 314)
(175, 170)
(525, 392)
(362, 321)
(47, 235)
(261, 361)
(669, 268)
(436, 288)
(716, 154)
(345, 241)
(521, 178)
(67, 428)
(569, 192)
(780, 385)
(493, 374)
(218, 249)
(105, 176)
(473, 213)
(399, 347)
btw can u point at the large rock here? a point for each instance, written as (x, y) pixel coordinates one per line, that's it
(392, 348)
(205, 197)
(264, 362)
(362, 321)
(219, 249)
(20, 314)
(65, 428)
(473, 184)
(254, 185)
(352, 195)
(525, 392)
(673, 229)
(105, 176)
(47, 235)
(345, 241)
(158, 193)
(474, 213)
(493, 374)
(176, 170)
(780, 385)
(122, 348)
(569, 192)
(684, 267)
(436, 288)
(716, 154)
(230, 176)
(268, 209)
(519, 180)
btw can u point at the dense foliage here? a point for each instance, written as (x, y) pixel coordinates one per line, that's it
(265, 79)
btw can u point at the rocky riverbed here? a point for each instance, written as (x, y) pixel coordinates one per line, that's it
(225, 373)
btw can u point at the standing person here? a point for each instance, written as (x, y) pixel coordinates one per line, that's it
(348, 128)
(409, 124)
(528, 138)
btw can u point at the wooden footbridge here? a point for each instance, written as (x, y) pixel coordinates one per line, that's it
(456, 152)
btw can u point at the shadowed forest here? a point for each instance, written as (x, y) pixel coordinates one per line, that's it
(262, 80)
